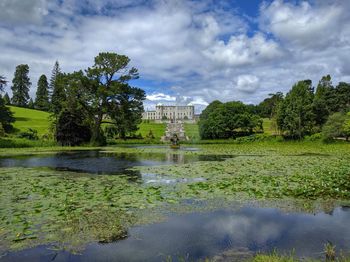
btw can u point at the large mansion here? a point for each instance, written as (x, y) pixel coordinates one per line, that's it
(163, 112)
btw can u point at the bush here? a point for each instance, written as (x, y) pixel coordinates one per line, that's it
(72, 131)
(150, 135)
(314, 137)
(30, 134)
(2, 131)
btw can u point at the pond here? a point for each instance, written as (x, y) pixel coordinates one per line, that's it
(86, 198)
(99, 162)
(240, 233)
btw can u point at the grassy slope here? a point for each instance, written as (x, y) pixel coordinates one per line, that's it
(158, 130)
(30, 118)
(39, 120)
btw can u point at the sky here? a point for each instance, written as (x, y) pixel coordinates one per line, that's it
(186, 51)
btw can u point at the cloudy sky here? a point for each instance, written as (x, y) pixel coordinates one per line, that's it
(186, 51)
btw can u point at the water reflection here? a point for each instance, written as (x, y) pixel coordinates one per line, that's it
(207, 234)
(97, 162)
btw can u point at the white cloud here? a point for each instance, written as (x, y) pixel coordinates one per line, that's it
(160, 97)
(192, 53)
(247, 83)
(303, 24)
(22, 12)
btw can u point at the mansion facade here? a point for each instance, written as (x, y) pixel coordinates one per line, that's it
(164, 112)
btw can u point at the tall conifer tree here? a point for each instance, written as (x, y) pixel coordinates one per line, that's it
(7, 100)
(56, 71)
(20, 86)
(42, 95)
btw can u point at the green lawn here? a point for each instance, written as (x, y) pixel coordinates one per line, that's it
(30, 118)
(158, 130)
(191, 130)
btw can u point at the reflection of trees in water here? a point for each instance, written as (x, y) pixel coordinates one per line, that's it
(175, 158)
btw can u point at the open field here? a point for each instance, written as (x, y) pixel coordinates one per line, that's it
(30, 118)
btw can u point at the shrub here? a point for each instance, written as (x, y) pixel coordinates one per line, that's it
(30, 134)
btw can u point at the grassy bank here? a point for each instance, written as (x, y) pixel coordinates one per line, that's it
(30, 118)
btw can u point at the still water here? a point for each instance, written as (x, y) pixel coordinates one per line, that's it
(98, 162)
(206, 234)
(195, 235)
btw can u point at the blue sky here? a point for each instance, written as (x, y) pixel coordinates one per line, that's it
(186, 51)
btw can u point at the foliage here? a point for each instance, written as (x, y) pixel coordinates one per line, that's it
(228, 120)
(324, 101)
(6, 116)
(31, 104)
(42, 94)
(336, 126)
(150, 135)
(268, 107)
(56, 71)
(7, 99)
(20, 86)
(58, 97)
(343, 97)
(295, 116)
(30, 134)
(3, 82)
(2, 130)
(71, 129)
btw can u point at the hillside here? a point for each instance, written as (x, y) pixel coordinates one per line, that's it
(30, 118)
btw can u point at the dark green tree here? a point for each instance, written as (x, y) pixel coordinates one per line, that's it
(56, 71)
(343, 97)
(72, 118)
(31, 104)
(268, 107)
(126, 110)
(324, 100)
(58, 97)
(20, 86)
(334, 126)
(71, 129)
(7, 99)
(3, 83)
(110, 75)
(6, 116)
(295, 117)
(42, 95)
(228, 120)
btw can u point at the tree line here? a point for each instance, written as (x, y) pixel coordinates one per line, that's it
(303, 111)
(82, 101)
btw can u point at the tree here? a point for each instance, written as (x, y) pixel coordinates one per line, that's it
(42, 95)
(334, 126)
(295, 115)
(72, 119)
(7, 99)
(228, 120)
(56, 71)
(3, 83)
(71, 130)
(126, 110)
(324, 101)
(31, 103)
(346, 126)
(6, 116)
(110, 75)
(343, 96)
(58, 96)
(20, 86)
(268, 107)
